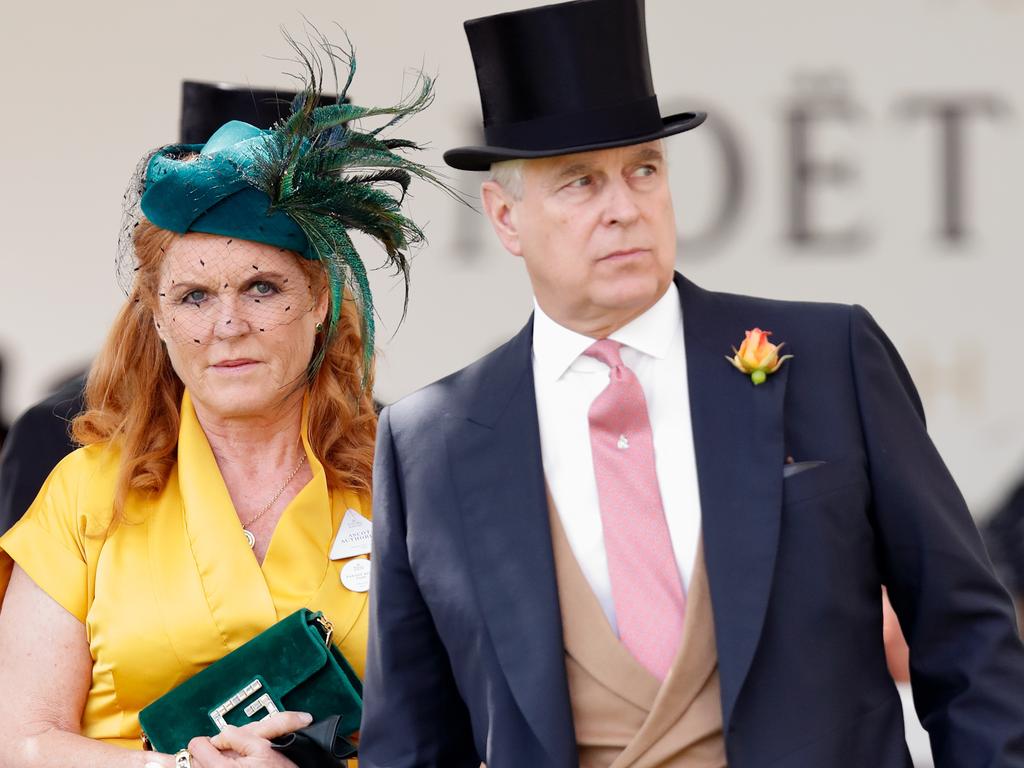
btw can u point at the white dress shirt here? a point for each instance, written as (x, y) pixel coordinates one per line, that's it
(567, 381)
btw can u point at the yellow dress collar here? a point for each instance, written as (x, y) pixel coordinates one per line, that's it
(297, 558)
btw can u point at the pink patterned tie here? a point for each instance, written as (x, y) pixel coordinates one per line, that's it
(646, 588)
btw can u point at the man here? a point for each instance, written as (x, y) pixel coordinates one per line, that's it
(604, 545)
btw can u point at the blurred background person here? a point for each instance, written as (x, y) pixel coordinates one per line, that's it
(4, 427)
(37, 441)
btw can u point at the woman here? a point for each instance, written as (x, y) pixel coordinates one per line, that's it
(229, 431)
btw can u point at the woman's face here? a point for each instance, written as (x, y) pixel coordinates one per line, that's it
(239, 320)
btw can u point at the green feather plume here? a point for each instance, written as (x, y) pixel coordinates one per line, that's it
(331, 178)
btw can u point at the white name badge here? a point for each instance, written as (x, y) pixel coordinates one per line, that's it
(355, 576)
(355, 536)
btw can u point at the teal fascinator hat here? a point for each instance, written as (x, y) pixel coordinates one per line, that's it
(302, 185)
(205, 188)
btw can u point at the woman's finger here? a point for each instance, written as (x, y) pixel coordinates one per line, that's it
(277, 724)
(243, 741)
(206, 755)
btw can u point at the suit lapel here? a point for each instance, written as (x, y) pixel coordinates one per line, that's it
(498, 476)
(739, 444)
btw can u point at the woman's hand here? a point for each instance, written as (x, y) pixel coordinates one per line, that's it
(248, 746)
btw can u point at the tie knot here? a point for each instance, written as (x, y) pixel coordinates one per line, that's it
(607, 351)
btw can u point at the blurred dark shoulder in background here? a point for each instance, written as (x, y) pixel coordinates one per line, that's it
(35, 444)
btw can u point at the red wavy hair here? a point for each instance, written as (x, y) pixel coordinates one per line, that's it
(133, 396)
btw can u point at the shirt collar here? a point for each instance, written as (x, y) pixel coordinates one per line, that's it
(556, 347)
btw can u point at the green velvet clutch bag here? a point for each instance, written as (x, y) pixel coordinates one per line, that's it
(291, 666)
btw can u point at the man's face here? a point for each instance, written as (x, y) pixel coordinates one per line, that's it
(597, 233)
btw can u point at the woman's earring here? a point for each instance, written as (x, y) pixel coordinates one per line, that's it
(319, 327)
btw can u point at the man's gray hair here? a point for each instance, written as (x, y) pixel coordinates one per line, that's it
(508, 174)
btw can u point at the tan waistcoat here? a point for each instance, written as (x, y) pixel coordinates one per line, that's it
(623, 715)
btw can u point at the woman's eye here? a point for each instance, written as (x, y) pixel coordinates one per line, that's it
(582, 181)
(263, 288)
(195, 297)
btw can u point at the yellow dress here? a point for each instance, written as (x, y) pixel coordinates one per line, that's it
(175, 586)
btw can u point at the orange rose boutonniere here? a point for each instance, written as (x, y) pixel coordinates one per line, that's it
(757, 356)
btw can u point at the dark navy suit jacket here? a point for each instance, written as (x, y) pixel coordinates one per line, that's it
(466, 660)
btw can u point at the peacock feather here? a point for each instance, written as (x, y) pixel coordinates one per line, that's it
(318, 167)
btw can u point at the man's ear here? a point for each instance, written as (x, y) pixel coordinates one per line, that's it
(498, 205)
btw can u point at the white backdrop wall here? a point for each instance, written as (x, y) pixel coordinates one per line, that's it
(865, 152)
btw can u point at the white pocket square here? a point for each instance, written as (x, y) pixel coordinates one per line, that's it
(788, 470)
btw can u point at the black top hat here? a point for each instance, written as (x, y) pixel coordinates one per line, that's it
(563, 78)
(205, 107)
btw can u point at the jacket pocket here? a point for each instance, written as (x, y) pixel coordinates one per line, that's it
(828, 477)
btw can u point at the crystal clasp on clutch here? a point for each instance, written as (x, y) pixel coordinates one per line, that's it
(263, 702)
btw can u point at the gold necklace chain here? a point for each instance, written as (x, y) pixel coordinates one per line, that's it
(277, 495)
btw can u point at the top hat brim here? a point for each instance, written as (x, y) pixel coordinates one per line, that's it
(479, 158)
